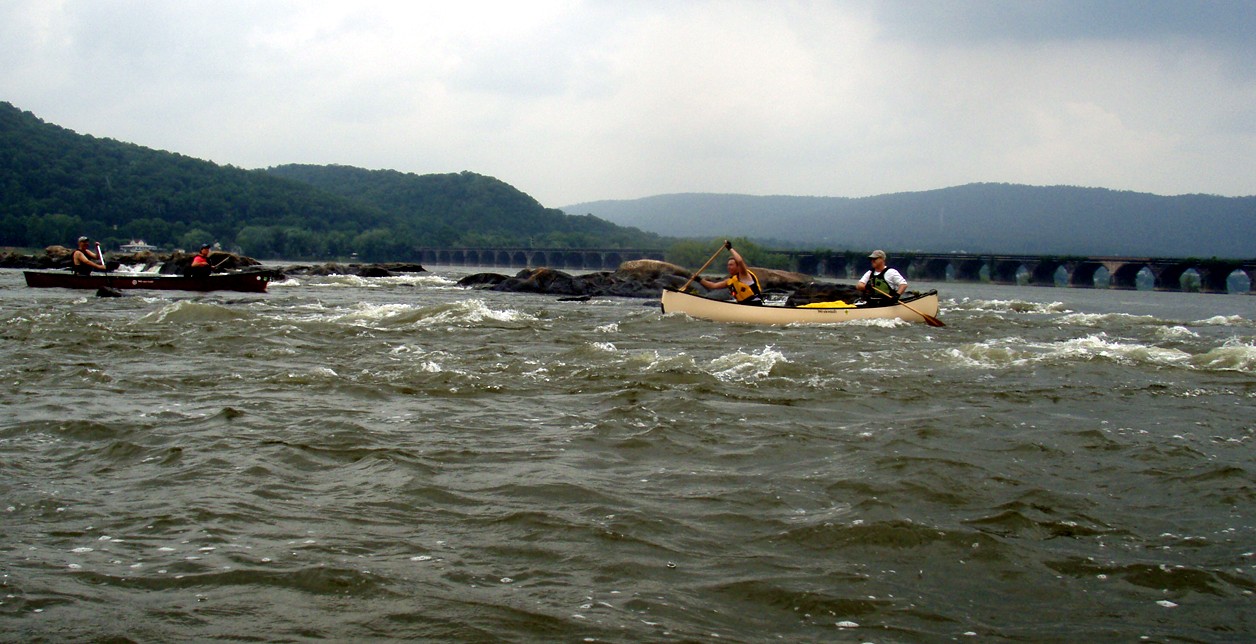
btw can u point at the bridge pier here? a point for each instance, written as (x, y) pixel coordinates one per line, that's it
(1042, 273)
(1124, 275)
(1004, 271)
(1169, 276)
(933, 270)
(1214, 276)
(968, 270)
(1082, 274)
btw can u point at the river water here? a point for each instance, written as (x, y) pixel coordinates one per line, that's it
(399, 458)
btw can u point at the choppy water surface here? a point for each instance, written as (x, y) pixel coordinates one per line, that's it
(354, 459)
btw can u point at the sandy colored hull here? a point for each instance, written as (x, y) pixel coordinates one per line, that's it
(724, 311)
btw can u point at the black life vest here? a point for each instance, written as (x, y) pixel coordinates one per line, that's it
(877, 281)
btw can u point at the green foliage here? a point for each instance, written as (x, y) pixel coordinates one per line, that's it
(466, 209)
(58, 185)
(192, 240)
(56, 226)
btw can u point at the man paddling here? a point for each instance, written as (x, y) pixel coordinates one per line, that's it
(200, 263)
(85, 260)
(881, 285)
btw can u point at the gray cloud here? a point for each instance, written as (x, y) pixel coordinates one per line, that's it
(574, 101)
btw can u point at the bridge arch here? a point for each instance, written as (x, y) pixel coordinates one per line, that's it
(968, 270)
(1046, 272)
(1243, 281)
(1005, 271)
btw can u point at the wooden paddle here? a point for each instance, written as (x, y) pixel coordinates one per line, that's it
(708, 263)
(929, 319)
(107, 290)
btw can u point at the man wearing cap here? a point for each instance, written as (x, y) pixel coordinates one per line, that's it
(200, 263)
(85, 260)
(881, 285)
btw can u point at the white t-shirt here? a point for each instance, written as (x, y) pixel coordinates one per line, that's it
(892, 277)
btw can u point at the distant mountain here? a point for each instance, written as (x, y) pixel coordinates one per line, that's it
(56, 184)
(985, 217)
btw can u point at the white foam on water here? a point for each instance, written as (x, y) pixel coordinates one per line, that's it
(288, 282)
(1234, 355)
(989, 354)
(1176, 332)
(1225, 320)
(1105, 319)
(1099, 346)
(654, 361)
(474, 311)
(1015, 351)
(418, 279)
(740, 366)
(343, 281)
(371, 313)
(1008, 306)
(192, 311)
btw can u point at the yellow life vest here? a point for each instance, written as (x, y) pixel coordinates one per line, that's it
(742, 291)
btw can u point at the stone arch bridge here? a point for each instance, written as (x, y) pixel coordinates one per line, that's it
(1037, 270)
(593, 259)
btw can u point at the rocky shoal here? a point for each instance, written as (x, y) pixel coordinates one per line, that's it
(642, 278)
(647, 279)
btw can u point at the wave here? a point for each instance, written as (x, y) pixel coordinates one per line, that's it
(194, 311)
(1006, 306)
(1014, 351)
(474, 312)
(1226, 320)
(1234, 355)
(740, 366)
(357, 281)
(1105, 320)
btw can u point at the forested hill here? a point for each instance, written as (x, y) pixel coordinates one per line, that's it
(995, 218)
(56, 184)
(467, 209)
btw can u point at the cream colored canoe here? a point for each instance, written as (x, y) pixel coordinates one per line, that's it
(727, 311)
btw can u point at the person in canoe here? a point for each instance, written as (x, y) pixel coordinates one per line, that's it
(85, 260)
(200, 263)
(741, 282)
(881, 286)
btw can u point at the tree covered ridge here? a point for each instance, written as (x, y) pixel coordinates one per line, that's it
(466, 209)
(56, 184)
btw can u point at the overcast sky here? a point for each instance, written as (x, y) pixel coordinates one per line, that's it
(575, 101)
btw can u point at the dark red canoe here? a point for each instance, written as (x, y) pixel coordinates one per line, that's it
(254, 281)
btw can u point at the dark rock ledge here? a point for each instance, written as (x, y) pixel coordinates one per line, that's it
(647, 278)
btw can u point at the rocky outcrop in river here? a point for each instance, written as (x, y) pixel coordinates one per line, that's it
(646, 278)
(388, 269)
(642, 278)
(177, 262)
(167, 263)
